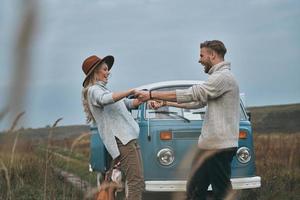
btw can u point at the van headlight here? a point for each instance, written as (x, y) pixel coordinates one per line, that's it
(165, 156)
(243, 155)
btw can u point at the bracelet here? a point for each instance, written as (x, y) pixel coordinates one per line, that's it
(164, 103)
(150, 95)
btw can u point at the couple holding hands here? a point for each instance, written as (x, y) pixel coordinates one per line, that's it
(109, 111)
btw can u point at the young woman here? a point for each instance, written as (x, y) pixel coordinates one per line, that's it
(117, 128)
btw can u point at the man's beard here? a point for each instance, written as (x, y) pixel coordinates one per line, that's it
(207, 66)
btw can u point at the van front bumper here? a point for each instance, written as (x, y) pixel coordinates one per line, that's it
(175, 186)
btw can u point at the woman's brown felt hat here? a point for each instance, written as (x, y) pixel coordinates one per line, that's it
(90, 63)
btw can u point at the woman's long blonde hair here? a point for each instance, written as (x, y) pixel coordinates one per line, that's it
(91, 80)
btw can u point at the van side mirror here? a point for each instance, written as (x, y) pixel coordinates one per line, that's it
(249, 115)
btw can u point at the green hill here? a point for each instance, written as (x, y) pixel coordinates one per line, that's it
(42, 134)
(265, 119)
(276, 119)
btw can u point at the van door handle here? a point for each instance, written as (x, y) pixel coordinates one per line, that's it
(148, 134)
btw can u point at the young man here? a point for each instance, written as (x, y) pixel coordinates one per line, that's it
(219, 136)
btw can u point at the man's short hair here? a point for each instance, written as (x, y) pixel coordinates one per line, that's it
(216, 46)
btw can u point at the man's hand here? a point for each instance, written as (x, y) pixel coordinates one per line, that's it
(156, 104)
(142, 95)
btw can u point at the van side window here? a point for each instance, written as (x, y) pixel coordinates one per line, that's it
(242, 113)
(136, 114)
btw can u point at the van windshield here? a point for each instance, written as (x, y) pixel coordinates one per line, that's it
(168, 112)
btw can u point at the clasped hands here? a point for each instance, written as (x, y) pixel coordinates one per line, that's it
(144, 96)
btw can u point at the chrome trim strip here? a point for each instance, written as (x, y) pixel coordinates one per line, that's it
(172, 186)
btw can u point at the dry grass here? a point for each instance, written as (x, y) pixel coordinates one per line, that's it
(278, 163)
(25, 177)
(22, 169)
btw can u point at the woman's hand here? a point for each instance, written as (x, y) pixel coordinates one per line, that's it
(142, 95)
(131, 91)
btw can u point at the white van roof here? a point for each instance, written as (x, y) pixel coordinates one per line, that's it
(174, 83)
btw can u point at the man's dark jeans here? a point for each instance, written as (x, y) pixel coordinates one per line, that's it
(211, 167)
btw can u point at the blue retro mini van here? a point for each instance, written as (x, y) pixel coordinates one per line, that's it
(168, 139)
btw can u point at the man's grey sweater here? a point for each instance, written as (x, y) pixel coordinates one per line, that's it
(220, 93)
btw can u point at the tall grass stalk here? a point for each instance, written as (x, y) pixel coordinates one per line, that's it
(7, 179)
(16, 137)
(47, 156)
(74, 143)
(78, 139)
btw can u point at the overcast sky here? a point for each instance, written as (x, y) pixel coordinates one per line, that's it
(152, 40)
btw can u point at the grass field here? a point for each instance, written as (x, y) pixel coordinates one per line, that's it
(278, 164)
(27, 172)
